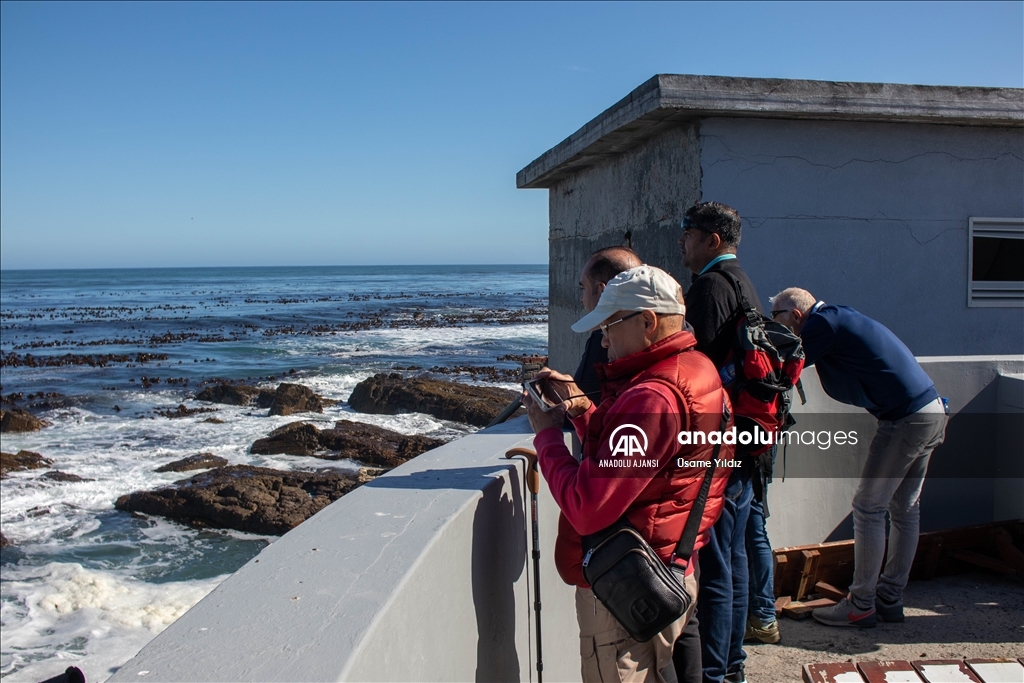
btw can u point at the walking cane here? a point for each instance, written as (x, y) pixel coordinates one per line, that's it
(509, 410)
(533, 483)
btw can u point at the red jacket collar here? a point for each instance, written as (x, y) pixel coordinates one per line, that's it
(625, 369)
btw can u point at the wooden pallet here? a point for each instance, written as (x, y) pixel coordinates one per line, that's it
(920, 671)
(825, 570)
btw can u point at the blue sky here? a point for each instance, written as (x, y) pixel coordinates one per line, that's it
(204, 134)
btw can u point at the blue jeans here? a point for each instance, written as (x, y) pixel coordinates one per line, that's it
(760, 562)
(761, 566)
(722, 599)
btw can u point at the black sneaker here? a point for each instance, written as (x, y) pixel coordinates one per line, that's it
(891, 612)
(738, 675)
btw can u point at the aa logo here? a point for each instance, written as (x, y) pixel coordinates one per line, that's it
(628, 440)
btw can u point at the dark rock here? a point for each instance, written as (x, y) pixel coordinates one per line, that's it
(18, 420)
(295, 438)
(373, 445)
(3, 541)
(257, 500)
(57, 475)
(214, 420)
(203, 461)
(295, 398)
(72, 674)
(22, 460)
(236, 395)
(182, 411)
(392, 394)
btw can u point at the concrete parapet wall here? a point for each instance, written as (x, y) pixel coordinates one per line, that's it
(983, 428)
(420, 575)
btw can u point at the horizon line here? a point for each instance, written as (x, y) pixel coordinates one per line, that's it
(376, 265)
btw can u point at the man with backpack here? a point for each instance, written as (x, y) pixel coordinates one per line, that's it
(757, 361)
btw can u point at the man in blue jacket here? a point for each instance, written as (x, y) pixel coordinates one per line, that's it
(860, 362)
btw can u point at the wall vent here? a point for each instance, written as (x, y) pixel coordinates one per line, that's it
(995, 263)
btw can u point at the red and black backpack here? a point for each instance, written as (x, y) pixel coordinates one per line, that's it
(764, 364)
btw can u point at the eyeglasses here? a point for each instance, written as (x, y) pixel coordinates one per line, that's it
(776, 314)
(691, 229)
(604, 328)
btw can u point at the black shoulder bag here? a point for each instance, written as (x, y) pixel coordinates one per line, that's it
(629, 578)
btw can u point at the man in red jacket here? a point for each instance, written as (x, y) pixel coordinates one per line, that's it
(655, 386)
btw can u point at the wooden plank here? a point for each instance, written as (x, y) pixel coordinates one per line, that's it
(835, 562)
(888, 672)
(802, 610)
(808, 574)
(835, 565)
(980, 560)
(780, 603)
(1008, 551)
(965, 537)
(781, 564)
(945, 671)
(832, 672)
(829, 591)
(998, 670)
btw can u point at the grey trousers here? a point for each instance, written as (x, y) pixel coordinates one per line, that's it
(891, 480)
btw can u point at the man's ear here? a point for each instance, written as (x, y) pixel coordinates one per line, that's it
(650, 322)
(600, 287)
(798, 318)
(714, 241)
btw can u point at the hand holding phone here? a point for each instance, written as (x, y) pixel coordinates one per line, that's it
(549, 389)
(543, 393)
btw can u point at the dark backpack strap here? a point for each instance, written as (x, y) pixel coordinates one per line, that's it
(745, 306)
(684, 549)
(800, 390)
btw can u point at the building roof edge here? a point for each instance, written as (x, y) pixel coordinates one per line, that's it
(668, 99)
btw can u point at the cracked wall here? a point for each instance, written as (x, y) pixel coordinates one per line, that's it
(874, 216)
(642, 192)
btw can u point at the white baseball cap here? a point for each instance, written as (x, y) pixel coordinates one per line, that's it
(644, 288)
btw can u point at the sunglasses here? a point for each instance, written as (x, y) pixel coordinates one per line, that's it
(776, 314)
(604, 328)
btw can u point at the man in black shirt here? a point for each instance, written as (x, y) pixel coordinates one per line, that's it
(711, 236)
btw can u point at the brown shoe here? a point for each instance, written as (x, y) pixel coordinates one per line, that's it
(766, 633)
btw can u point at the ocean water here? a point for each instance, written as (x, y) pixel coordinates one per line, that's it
(98, 353)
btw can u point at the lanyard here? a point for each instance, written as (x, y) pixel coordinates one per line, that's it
(717, 259)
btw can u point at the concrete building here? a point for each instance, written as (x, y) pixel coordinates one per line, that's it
(877, 196)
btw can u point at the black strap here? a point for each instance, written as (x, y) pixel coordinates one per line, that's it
(684, 549)
(741, 300)
(800, 390)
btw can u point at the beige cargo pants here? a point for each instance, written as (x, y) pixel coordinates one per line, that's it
(608, 653)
